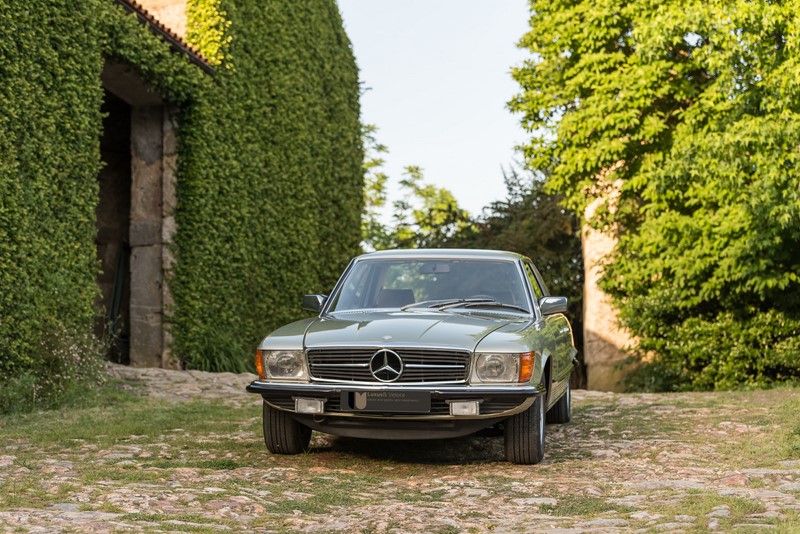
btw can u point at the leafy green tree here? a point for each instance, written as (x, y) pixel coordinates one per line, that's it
(532, 222)
(683, 118)
(426, 217)
(375, 235)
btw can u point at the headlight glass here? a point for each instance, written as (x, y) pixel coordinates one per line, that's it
(284, 364)
(491, 367)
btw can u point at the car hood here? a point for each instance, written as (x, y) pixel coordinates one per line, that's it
(399, 328)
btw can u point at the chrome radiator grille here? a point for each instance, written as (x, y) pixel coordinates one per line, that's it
(419, 365)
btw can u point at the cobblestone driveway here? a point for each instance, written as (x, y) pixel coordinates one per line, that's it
(627, 463)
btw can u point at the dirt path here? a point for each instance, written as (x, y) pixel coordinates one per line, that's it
(626, 463)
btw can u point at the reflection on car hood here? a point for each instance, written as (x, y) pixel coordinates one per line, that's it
(399, 328)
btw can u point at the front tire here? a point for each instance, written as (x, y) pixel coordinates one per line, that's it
(561, 412)
(282, 434)
(524, 434)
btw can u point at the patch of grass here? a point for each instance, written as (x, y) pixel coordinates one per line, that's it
(182, 522)
(420, 497)
(28, 491)
(581, 505)
(701, 503)
(124, 474)
(221, 464)
(318, 504)
(25, 462)
(769, 443)
(324, 493)
(790, 524)
(471, 515)
(793, 443)
(104, 425)
(109, 508)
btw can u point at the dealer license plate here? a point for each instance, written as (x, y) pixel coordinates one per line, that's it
(387, 401)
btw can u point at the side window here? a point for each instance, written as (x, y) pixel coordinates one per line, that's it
(537, 290)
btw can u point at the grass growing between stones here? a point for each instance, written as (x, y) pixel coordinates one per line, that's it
(624, 462)
(766, 432)
(582, 505)
(107, 425)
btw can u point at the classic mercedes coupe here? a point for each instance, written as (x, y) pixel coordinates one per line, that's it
(422, 344)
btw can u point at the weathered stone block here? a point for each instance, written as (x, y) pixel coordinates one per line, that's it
(145, 233)
(146, 307)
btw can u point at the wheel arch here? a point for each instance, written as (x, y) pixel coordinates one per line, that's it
(547, 377)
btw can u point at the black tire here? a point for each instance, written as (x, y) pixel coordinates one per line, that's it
(561, 412)
(282, 434)
(524, 436)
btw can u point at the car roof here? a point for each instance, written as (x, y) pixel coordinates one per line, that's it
(442, 253)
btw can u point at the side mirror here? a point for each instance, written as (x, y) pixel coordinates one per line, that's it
(552, 305)
(314, 303)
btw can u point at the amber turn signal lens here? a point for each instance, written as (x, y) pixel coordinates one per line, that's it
(260, 365)
(526, 360)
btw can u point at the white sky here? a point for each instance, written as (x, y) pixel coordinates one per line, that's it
(438, 74)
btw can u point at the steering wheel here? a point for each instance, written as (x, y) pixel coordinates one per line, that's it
(481, 297)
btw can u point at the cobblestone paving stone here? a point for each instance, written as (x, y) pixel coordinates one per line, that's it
(626, 463)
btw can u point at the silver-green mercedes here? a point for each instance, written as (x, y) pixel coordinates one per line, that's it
(422, 344)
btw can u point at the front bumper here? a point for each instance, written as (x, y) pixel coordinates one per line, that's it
(497, 403)
(504, 400)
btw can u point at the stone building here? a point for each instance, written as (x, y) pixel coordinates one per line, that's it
(171, 197)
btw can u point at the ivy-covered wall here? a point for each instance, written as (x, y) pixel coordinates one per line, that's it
(269, 178)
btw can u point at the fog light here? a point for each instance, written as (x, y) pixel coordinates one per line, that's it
(312, 406)
(465, 408)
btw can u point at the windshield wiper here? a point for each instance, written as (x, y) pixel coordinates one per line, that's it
(481, 303)
(444, 304)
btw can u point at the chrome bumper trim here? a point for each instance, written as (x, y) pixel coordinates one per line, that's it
(527, 393)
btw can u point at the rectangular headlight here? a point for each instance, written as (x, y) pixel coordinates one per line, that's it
(287, 365)
(499, 368)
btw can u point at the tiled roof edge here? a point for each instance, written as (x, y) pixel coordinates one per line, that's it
(175, 41)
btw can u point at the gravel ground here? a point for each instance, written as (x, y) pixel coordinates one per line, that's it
(626, 463)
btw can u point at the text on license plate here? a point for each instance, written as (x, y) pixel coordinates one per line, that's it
(387, 401)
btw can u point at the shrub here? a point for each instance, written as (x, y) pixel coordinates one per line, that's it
(71, 365)
(726, 351)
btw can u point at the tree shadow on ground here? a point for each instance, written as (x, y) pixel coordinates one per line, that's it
(467, 450)
(561, 445)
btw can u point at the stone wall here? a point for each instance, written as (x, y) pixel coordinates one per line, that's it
(604, 340)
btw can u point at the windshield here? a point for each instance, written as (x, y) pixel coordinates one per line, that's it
(439, 283)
